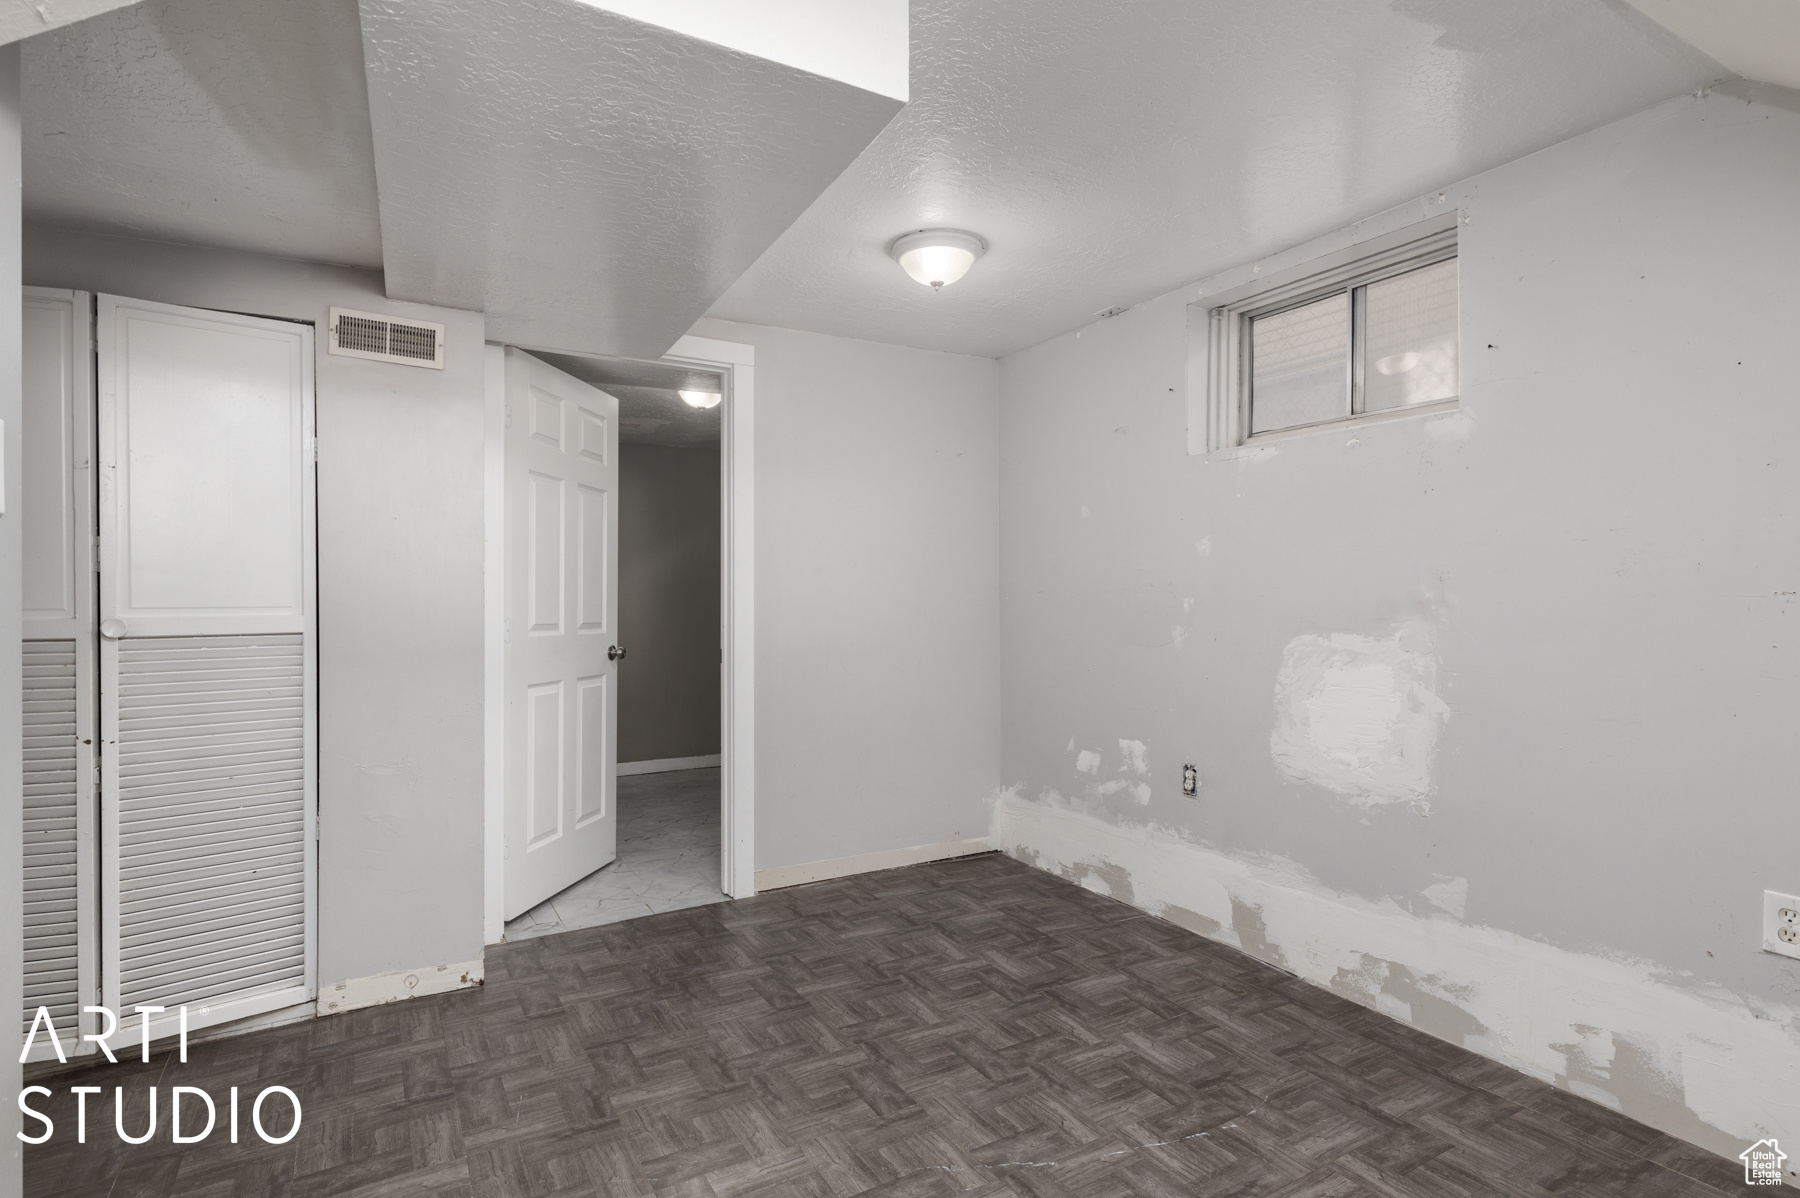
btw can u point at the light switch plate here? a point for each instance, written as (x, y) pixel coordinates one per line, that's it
(1781, 924)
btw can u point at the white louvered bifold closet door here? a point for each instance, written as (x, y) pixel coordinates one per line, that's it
(61, 915)
(207, 676)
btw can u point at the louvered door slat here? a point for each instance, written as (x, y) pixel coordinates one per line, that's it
(51, 797)
(212, 822)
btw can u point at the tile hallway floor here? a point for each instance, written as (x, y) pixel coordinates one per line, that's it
(668, 858)
(969, 1027)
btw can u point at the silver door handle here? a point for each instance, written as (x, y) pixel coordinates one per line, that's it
(614, 653)
(112, 629)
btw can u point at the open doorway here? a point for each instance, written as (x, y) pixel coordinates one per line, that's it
(680, 795)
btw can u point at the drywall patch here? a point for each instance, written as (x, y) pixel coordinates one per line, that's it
(1360, 716)
(1698, 1062)
(1587, 1069)
(1133, 760)
(1253, 933)
(1428, 1003)
(1448, 894)
(1649, 1082)
(1114, 881)
(1193, 921)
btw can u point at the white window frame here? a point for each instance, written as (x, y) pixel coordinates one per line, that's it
(1219, 331)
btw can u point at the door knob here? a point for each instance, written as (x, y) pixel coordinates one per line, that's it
(614, 653)
(112, 629)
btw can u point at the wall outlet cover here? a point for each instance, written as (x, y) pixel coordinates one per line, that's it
(1190, 780)
(1781, 924)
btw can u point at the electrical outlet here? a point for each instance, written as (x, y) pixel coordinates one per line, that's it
(1781, 924)
(1190, 780)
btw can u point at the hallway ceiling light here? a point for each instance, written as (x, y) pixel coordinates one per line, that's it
(936, 257)
(701, 399)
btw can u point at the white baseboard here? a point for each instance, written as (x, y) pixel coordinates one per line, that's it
(842, 867)
(664, 765)
(1697, 1061)
(400, 984)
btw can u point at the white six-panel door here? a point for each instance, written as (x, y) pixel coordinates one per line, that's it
(61, 916)
(207, 663)
(562, 472)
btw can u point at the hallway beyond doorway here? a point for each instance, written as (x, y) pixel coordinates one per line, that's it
(668, 858)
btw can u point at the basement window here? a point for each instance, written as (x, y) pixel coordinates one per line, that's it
(1357, 338)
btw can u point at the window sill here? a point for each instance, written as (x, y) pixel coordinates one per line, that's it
(1353, 422)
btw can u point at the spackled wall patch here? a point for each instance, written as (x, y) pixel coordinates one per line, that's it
(1360, 716)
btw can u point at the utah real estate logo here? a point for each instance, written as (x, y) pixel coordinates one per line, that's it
(1762, 1163)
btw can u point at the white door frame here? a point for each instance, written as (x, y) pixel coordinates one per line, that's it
(737, 611)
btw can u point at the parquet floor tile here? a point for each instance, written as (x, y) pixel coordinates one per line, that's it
(971, 1028)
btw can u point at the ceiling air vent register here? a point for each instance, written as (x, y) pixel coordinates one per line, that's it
(387, 338)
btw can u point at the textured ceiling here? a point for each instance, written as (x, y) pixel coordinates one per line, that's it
(589, 181)
(595, 183)
(1113, 151)
(27, 18)
(651, 410)
(234, 123)
(654, 416)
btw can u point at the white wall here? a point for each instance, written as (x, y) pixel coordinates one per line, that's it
(877, 594)
(1592, 566)
(400, 595)
(12, 880)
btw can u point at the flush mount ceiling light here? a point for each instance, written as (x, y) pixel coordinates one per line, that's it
(701, 399)
(936, 257)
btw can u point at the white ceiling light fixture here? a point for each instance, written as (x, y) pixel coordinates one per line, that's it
(937, 257)
(701, 399)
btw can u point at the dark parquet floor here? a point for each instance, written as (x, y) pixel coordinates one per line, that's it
(971, 1027)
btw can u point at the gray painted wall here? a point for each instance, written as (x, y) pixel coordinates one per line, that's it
(1602, 546)
(12, 880)
(668, 602)
(877, 594)
(400, 595)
